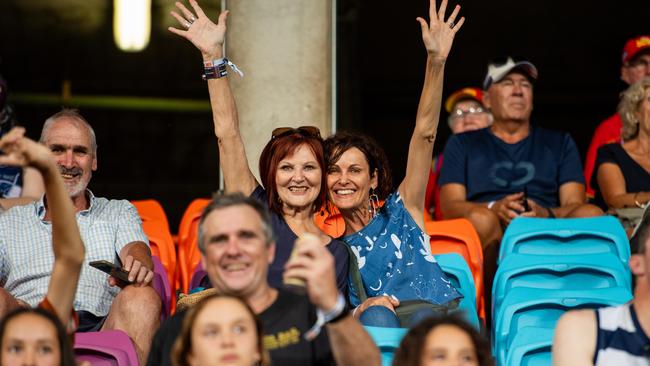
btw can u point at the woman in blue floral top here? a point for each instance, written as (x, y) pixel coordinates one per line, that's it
(390, 245)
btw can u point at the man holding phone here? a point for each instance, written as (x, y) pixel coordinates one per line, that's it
(111, 231)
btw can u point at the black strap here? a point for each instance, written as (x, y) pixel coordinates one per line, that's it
(355, 275)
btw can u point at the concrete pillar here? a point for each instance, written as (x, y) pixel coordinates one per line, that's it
(284, 49)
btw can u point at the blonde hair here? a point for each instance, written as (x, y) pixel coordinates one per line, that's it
(628, 106)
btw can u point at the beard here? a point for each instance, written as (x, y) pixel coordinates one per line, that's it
(79, 186)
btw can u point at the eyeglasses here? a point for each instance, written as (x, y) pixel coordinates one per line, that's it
(459, 113)
(306, 131)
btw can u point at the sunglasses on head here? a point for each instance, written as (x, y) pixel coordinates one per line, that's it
(306, 131)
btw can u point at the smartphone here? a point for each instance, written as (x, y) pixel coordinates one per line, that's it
(525, 198)
(112, 269)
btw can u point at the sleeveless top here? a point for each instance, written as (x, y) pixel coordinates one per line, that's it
(394, 258)
(620, 338)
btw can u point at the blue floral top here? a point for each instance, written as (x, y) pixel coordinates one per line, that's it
(394, 258)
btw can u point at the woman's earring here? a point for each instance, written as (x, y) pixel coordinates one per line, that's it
(373, 203)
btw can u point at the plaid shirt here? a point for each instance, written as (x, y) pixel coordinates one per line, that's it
(26, 256)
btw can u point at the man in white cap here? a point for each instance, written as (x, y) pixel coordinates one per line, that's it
(512, 168)
(487, 172)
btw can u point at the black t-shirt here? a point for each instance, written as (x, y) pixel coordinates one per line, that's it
(637, 179)
(285, 323)
(284, 240)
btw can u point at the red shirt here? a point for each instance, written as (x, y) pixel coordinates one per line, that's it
(609, 131)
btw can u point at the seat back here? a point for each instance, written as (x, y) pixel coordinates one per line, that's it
(151, 210)
(188, 250)
(579, 236)
(601, 270)
(387, 340)
(330, 221)
(197, 276)
(457, 271)
(459, 236)
(531, 347)
(163, 289)
(526, 307)
(109, 347)
(162, 246)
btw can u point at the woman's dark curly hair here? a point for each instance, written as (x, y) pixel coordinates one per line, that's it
(65, 347)
(410, 349)
(341, 142)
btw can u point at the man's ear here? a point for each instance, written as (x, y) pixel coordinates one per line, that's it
(637, 264)
(94, 166)
(486, 99)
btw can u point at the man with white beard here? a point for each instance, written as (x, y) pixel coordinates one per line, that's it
(111, 231)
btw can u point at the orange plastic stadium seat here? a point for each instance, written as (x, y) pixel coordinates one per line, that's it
(162, 245)
(330, 221)
(188, 250)
(459, 236)
(151, 210)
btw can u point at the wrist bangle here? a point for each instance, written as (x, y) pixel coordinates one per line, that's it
(636, 201)
(489, 205)
(323, 318)
(216, 69)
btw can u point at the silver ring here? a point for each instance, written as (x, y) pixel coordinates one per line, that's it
(188, 25)
(192, 19)
(451, 25)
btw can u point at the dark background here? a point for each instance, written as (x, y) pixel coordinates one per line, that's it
(172, 156)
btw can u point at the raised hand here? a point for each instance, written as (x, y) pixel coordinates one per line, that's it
(438, 35)
(200, 30)
(21, 151)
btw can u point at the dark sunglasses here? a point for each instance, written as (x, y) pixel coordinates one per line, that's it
(306, 131)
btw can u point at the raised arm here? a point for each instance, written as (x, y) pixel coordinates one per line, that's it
(438, 36)
(209, 38)
(66, 241)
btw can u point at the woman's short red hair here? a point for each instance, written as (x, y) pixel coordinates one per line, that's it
(279, 148)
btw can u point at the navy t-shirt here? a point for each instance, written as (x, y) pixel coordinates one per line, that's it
(490, 168)
(284, 239)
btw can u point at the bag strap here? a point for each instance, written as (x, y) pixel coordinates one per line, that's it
(355, 275)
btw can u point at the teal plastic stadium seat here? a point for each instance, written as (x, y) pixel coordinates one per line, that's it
(592, 271)
(526, 307)
(581, 236)
(387, 340)
(530, 347)
(458, 272)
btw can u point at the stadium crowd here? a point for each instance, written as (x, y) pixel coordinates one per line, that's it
(280, 289)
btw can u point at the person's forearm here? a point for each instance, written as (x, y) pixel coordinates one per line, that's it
(140, 252)
(428, 115)
(458, 209)
(637, 199)
(351, 344)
